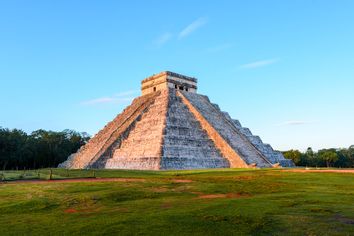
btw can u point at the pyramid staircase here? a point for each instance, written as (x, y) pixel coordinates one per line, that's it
(186, 144)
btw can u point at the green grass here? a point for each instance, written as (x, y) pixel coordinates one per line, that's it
(257, 202)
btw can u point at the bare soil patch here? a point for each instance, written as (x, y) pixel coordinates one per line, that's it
(70, 210)
(166, 206)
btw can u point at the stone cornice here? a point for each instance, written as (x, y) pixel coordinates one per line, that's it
(166, 73)
(169, 81)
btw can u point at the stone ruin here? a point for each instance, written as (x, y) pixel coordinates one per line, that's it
(172, 127)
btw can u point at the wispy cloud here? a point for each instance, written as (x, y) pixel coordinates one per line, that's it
(294, 123)
(162, 39)
(192, 27)
(119, 98)
(261, 63)
(219, 48)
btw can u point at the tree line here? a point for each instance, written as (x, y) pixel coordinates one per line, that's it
(342, 158)
(39, 149)
(42, 149)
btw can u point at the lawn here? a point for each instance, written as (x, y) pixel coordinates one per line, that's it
(200, 202)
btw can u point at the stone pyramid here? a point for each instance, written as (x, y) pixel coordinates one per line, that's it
(172, 127)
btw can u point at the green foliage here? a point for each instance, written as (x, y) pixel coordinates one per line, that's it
(329, 156)
(40, 149)
(343, 158)
(294, 155)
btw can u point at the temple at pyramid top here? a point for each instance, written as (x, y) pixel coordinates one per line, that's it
(171, 126)
(166, 80)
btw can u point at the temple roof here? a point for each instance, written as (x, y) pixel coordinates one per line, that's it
(165, 73)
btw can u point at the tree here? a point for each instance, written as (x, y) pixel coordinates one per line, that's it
(309, 152)
(294, 155)
(39, 149)
(329, 156)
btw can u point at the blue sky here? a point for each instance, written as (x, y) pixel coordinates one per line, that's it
(285, 69)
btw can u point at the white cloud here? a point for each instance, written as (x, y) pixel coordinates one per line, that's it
(294, 122)
(119, 98)
(192, 27)
(261, 63)
(162, 39)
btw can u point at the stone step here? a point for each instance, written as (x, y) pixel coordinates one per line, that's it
(181, 122)
(137, 163)
(182, 140)
(190, 151)
(183, 163)
(186, 132)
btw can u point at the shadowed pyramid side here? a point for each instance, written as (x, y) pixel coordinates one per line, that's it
(238, 146)
(275, 157)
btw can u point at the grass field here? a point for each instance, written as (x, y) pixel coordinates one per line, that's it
(208, 202)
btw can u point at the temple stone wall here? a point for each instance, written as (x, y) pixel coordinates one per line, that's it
(154, 85)
(237, 141)
(167, 79)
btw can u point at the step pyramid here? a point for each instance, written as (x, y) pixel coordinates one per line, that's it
(171, 126)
